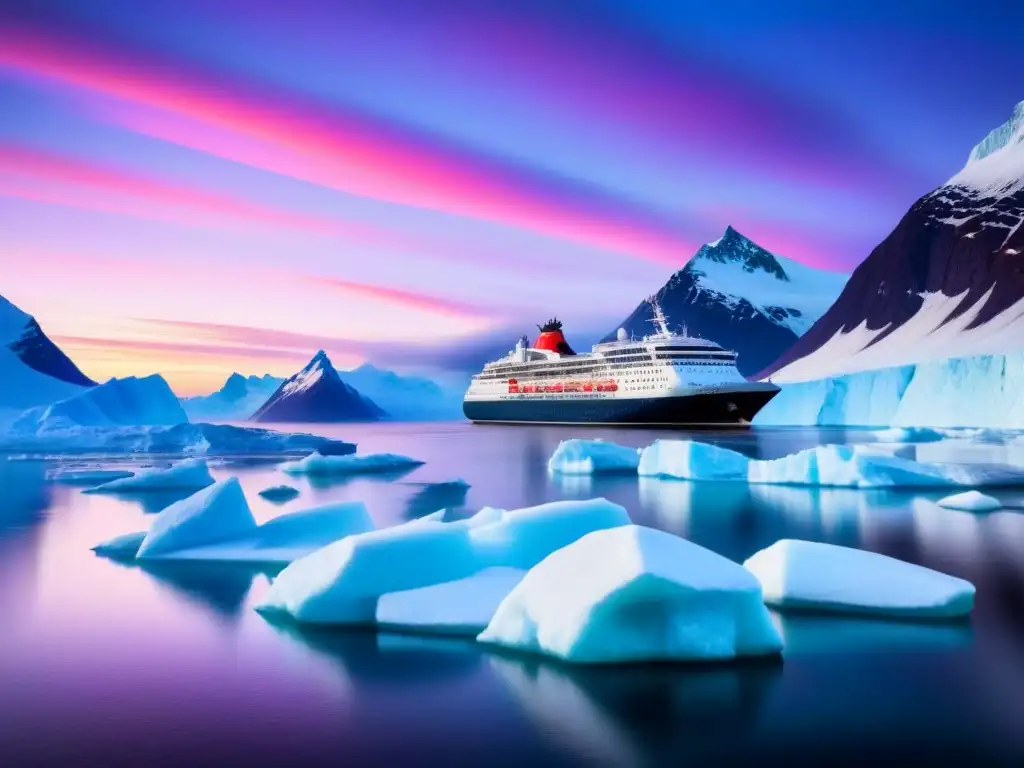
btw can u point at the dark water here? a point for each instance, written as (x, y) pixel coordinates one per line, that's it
(106, 664)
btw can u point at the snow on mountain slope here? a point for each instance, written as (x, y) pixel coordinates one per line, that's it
(237, 400)
(117, 403)
(739, 295)
(33, 370)
(317, 394)
(948, 281)
(405, 398)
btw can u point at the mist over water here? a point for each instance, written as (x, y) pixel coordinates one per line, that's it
(105, 662)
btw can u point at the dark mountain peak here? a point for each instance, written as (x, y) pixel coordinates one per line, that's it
(317, 393)
(25, 338)
(735, 248)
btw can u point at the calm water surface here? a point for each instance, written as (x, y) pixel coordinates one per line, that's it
(102, 663)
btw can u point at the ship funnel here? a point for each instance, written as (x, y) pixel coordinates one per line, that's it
(551, 338)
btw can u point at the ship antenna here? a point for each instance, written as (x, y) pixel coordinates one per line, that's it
(659, 320)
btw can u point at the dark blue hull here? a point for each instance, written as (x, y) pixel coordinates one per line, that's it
(718, 409)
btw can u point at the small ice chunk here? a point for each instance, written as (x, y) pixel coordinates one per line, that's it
(634, 594)
(971, 501)
(124, 547)
(317, 464)
(690, 460)
(279, 493)
(88, 476)
(804, 574)
(341, 583)
(588, 457)
(460, 607)
(188, 474)
(211, 515)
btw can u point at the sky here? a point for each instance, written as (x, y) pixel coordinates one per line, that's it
(195, 187)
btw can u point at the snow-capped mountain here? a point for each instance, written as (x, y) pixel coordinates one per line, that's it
(235, 401)
(948, 282)
(33, 370)
(405, 398)
(317, 394)
(131, 401)
(742, 297)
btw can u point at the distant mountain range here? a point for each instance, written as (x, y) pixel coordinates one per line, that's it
(33, 370)
(405, 398)
(237, 400)
(742, 297)
(948, 282)
(317, 394)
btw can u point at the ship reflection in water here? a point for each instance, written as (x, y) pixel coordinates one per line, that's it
(114, 664)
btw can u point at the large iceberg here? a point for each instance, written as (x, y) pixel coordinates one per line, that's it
(341, 583)
(216, 524)
(588, 457)
(845, 466)
(181, 439)
(634, 594)
(317, 464)
(117, 403)
(979, 391)
(810, 575)
(461, 607)
(185, 475)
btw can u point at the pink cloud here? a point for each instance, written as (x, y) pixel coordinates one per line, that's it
(343, 150)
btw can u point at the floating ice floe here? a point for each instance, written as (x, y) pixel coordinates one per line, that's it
(180, 439)
(185, 475)
(341, 583)
(588, 457)
(279, 493)
(810, 575)
(460, 607)
(847, 466)
(690, 460)
(971, 501)
(317, 464)
(88, 476)
(216, 524)
(524, 537)
(633, 594)
(124, 547)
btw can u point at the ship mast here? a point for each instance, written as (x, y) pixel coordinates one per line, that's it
(659, 320)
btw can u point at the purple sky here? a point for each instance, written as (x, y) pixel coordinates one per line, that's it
(200, 186)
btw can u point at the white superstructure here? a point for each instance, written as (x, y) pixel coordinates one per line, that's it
(662, 364)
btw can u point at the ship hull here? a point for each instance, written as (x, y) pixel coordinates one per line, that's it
(704, 409)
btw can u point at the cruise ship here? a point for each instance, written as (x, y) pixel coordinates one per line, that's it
(665, 378)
